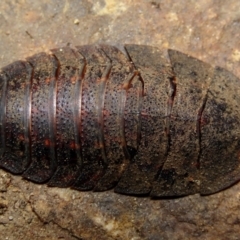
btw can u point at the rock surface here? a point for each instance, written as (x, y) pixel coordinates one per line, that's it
(206, 29)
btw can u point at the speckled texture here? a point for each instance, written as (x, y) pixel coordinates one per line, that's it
(206, 29)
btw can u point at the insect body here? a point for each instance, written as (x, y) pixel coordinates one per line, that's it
(91, 118)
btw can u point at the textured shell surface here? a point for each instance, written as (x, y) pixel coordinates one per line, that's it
(95, 118)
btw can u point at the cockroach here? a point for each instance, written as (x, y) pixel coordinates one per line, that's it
(94, 118)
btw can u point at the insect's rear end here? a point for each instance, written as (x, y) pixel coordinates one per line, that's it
(93, 119)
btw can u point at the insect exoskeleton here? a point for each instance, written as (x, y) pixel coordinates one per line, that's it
(95, 118)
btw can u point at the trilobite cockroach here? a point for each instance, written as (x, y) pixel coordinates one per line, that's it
(93, 118)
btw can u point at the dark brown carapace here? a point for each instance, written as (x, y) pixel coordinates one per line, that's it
(92, 118)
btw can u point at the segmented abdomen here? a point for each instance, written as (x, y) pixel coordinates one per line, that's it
(91, 118)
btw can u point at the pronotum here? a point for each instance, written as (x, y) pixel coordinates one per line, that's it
(94, 118)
